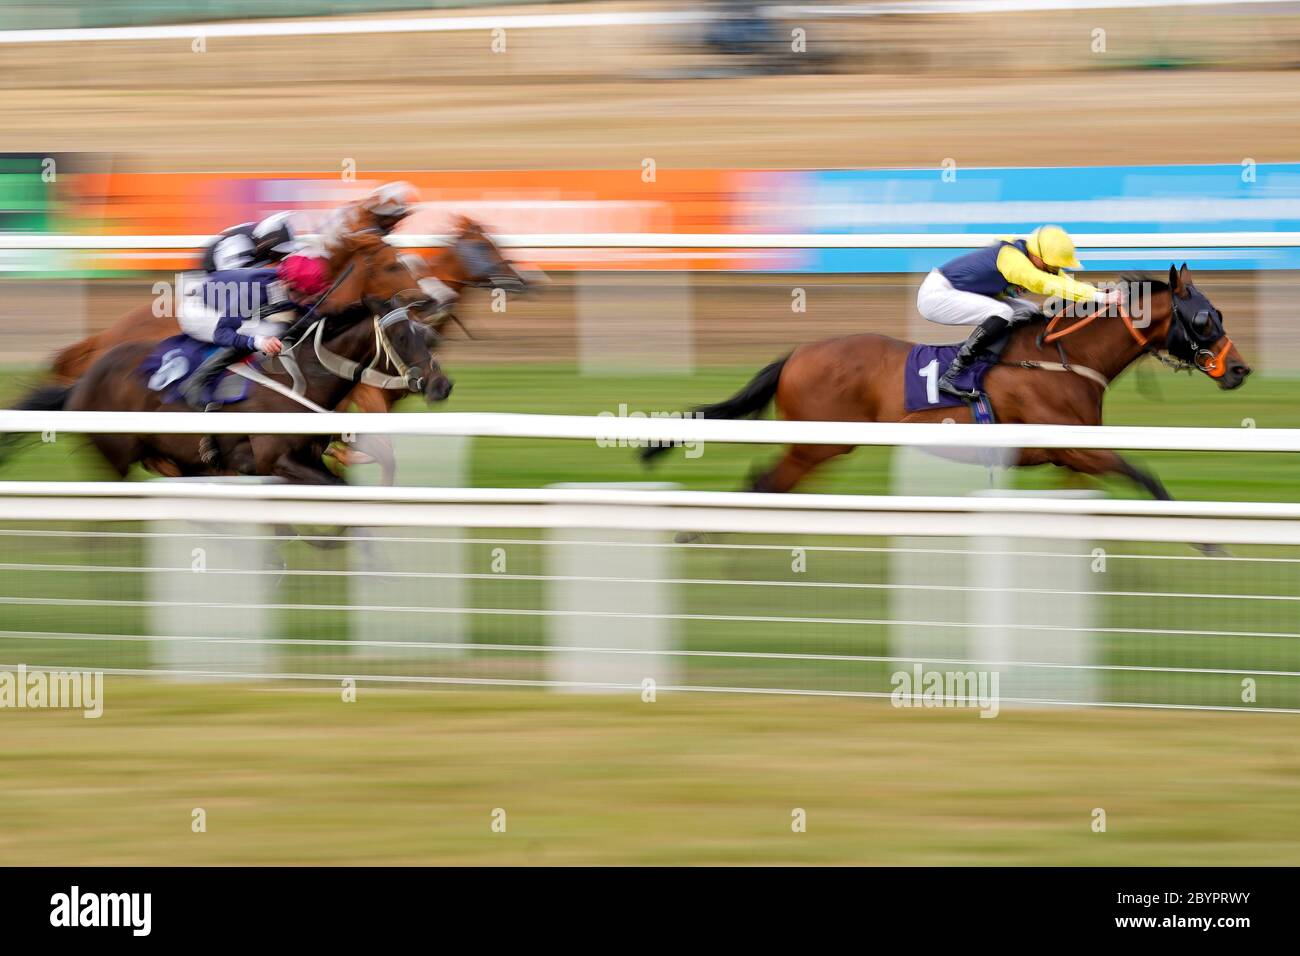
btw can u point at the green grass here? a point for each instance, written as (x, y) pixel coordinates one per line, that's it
(410, 777)
(103, 602)
(404, 777)
(556, 389)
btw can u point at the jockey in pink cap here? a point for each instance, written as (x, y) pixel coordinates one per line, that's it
(305, 276)
(245, 311)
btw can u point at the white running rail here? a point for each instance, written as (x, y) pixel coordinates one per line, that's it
(703, 240)
(1224, 522)
(585, 19)
(662, 430)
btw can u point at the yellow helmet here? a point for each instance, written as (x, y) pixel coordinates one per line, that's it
(1054, 246)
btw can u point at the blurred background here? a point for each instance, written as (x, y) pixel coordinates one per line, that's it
(577, 122)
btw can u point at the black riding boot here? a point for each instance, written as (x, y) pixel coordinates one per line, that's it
(971, 349)
(195, 391)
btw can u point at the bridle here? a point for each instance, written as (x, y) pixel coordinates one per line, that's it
(1202, 358)
(408, 377)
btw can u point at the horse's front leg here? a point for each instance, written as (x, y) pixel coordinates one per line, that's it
(1100, 461)
(280, 456)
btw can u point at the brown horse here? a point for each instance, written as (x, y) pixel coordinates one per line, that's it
(372, 273)
(860, 378)
(472, 259)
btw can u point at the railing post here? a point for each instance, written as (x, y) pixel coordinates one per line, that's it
(209, 594)
(386, 574)
(607, 589)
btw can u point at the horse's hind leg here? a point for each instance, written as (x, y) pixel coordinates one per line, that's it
(794, 466)
(790, 469)
(120, 451)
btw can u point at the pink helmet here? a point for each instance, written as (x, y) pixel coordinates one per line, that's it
(304, 274)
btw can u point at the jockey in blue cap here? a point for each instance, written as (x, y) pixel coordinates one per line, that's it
(251, 244)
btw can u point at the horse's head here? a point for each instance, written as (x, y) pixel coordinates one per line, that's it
(1196, 333)
(477, 260)
(402, 347)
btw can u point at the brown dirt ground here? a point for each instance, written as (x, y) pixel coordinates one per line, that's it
(906, 91)
(732, 318)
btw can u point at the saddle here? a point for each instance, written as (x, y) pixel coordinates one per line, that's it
(172, 361)
(926, 363)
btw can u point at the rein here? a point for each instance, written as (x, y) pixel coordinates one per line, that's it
(1211, 363)
(408, 377)
(295, 332)
(1051, 334)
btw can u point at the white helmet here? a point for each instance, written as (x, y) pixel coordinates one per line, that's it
(274, 236)
(392, 200)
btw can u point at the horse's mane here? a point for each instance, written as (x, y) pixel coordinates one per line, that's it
(1137, 278)
(364, 240)
(338, 323)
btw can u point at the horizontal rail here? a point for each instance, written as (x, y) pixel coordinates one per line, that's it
(724, 512)
(545, 21)
(661, 430)
(346, 27)
(705, 240)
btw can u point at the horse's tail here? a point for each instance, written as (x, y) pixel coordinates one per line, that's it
(69, 363)
(47, 398)
(750, 400)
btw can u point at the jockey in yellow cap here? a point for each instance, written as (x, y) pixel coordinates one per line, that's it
(981, 287)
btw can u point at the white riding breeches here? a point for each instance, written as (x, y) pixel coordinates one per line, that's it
(199, 321)
(938, 301)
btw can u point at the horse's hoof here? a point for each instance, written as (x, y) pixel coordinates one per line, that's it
(209, 454)
(274, 567)
(689, 537)
(350, 456)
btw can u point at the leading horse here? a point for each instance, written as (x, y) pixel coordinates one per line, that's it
(860, 378)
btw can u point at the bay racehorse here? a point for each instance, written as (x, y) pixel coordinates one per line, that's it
(331, 353)
(471, 259)
(859, 378)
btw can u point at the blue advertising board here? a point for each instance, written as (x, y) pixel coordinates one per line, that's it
(1206, 200)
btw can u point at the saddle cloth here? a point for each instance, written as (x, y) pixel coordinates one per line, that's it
(925, 364)
(173, 360)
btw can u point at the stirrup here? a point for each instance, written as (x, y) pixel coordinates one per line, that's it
(209, 451)
(948, 388)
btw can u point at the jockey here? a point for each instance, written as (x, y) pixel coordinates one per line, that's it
(383, 209)
(244, 310)
(251, 244)
(980, 289)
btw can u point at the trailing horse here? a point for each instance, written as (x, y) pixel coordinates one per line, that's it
(861, 378)
(331, 355)
(472, 259)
